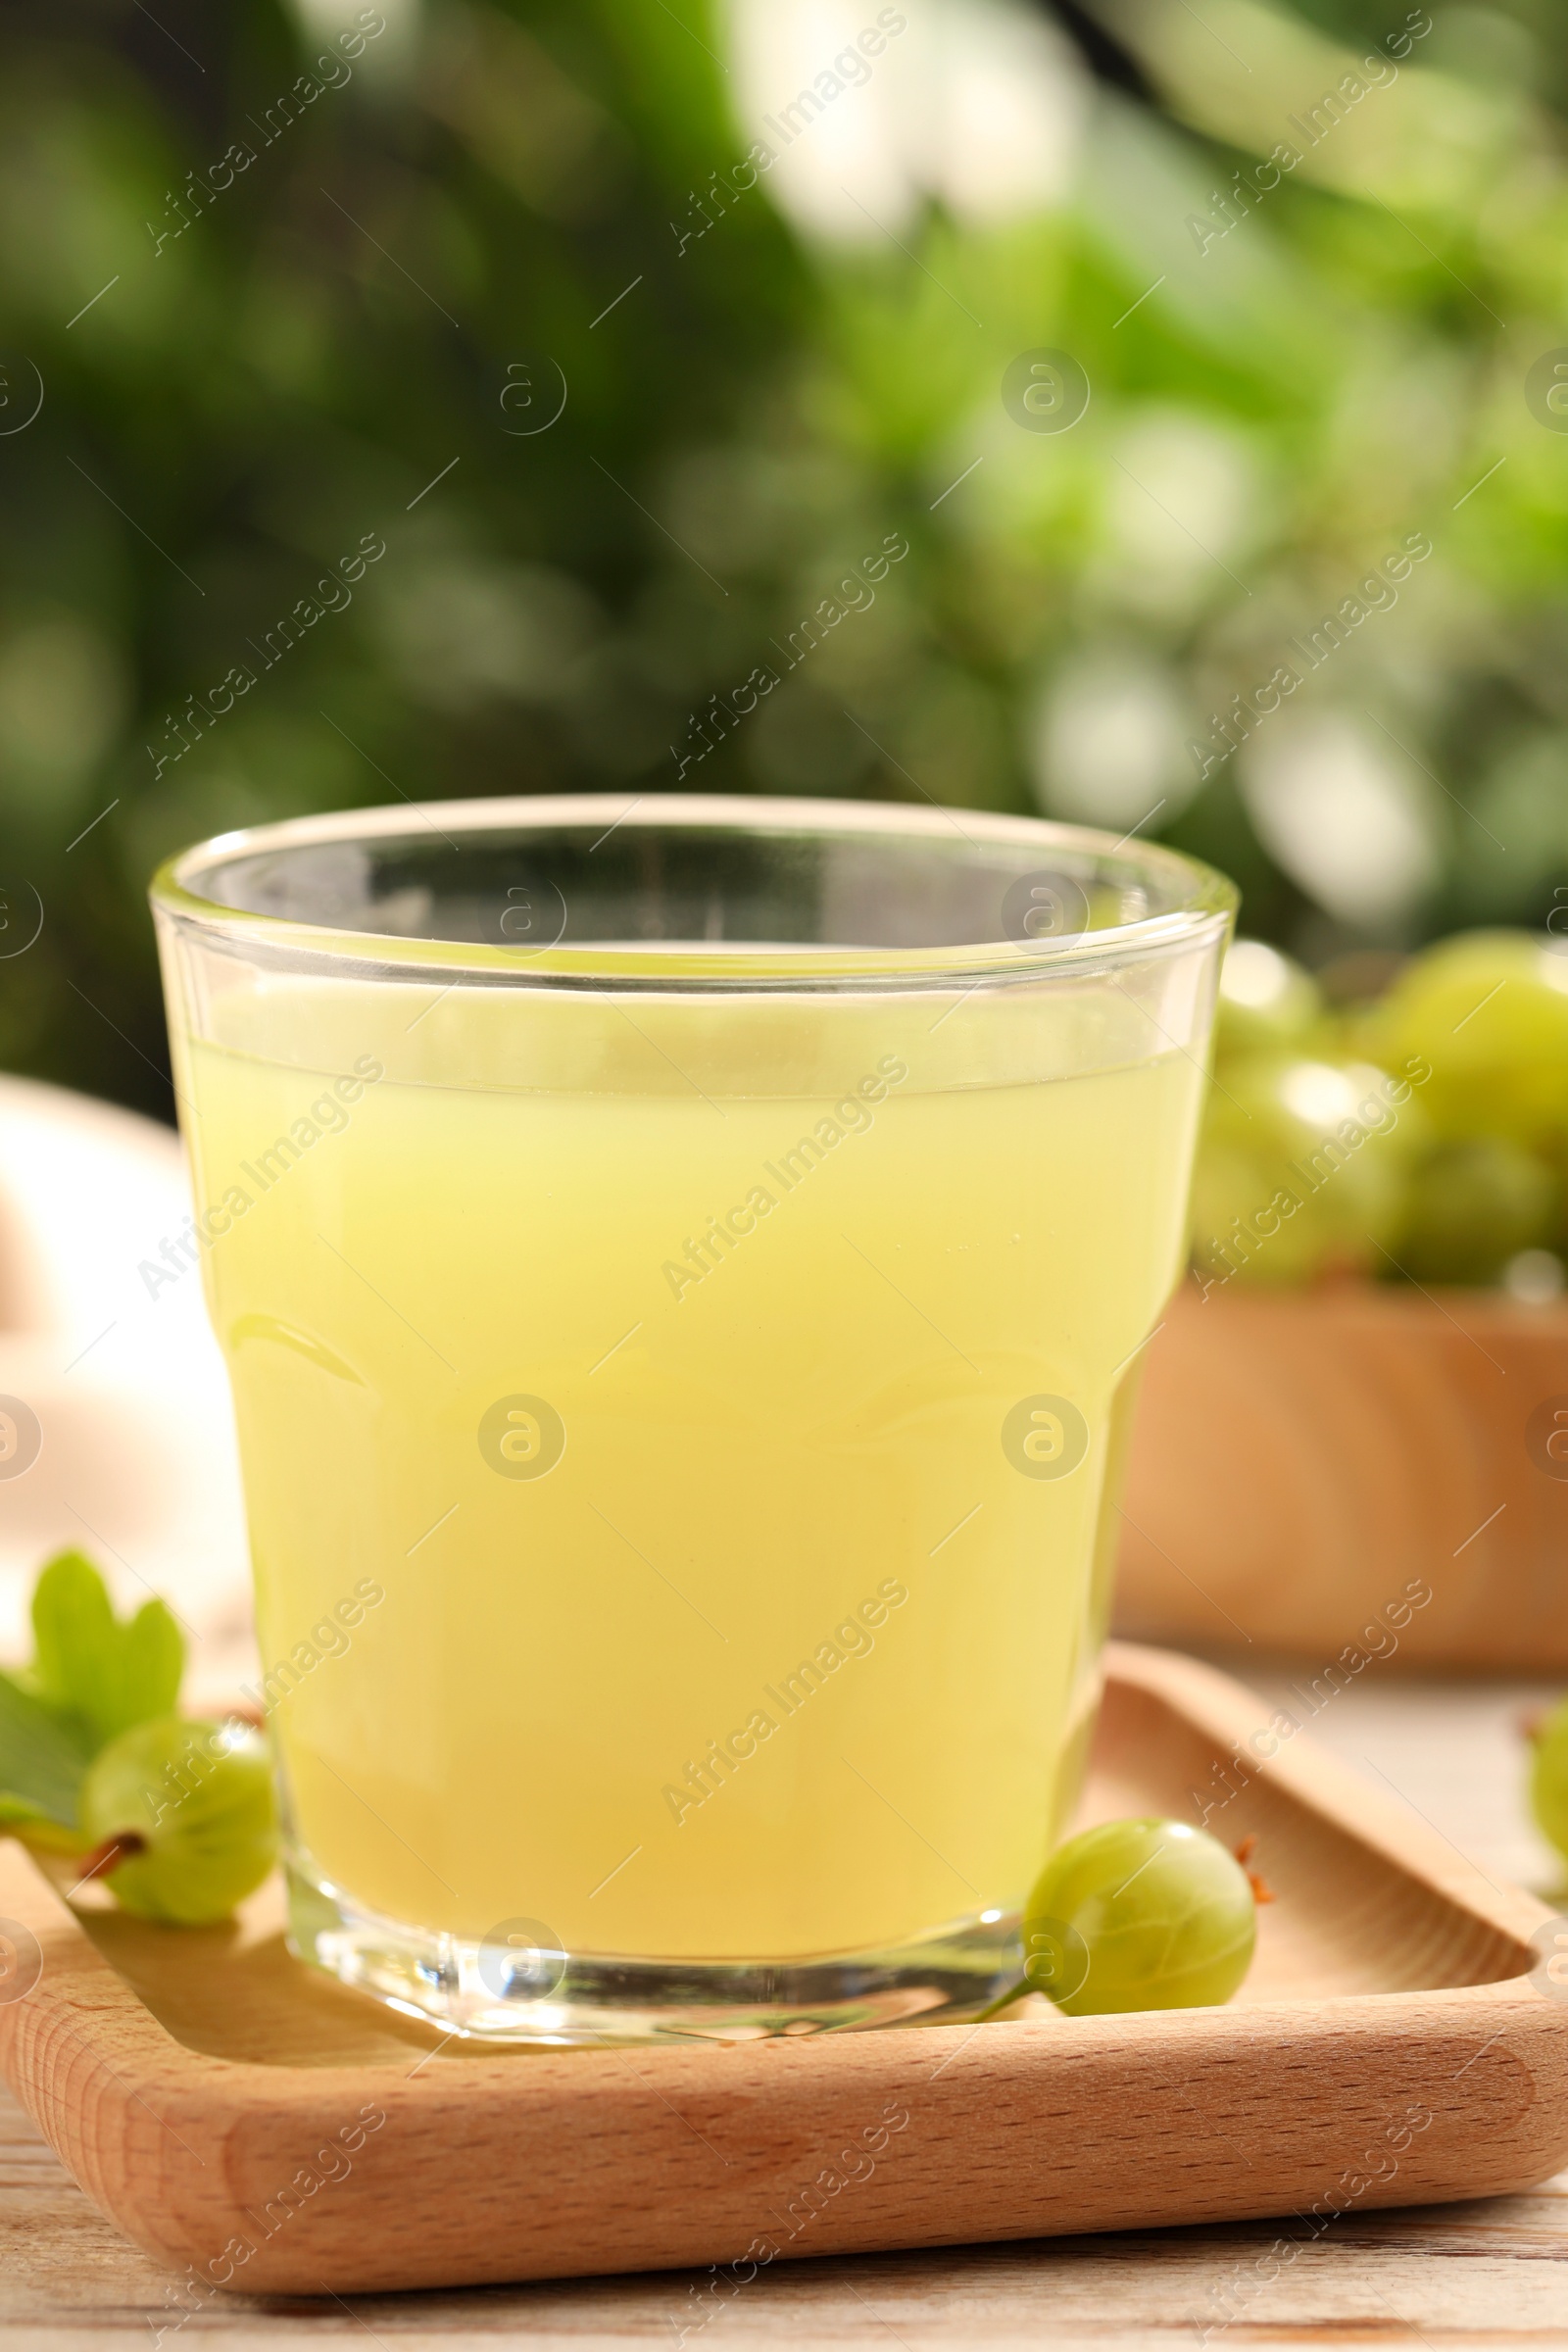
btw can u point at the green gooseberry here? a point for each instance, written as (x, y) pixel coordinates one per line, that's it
(1140, 1915)
(190, 1807)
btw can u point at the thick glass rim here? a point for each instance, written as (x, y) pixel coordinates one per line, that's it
(1201, 905)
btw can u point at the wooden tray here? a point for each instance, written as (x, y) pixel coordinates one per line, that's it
(1301, 1457)
(243, 2116)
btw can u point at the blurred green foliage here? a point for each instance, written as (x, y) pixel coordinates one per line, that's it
(354, 330)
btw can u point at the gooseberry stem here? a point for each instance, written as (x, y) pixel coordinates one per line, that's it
(109, 1856)
(1003, 2000)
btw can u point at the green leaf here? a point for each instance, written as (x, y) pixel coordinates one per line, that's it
(44, 1751)
(111, 1674)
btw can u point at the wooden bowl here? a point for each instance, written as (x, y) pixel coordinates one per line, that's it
(1307, 1465)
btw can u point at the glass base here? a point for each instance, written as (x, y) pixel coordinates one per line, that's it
(523, 1991)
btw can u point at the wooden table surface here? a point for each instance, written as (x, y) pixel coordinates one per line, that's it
(1491, 2273)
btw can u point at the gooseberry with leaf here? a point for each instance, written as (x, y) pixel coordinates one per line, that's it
(181, 1817)
(97, 1769)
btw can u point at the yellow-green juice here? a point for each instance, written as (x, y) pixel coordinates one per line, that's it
(770, 1634)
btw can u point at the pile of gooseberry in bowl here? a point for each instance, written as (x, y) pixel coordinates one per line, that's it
(1418, 1135)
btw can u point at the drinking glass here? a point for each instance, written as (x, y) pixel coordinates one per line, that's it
(682, 1266)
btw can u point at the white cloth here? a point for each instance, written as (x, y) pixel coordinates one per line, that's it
(137, 1463)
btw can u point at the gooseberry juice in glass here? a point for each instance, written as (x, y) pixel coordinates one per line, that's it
(678, 1430)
